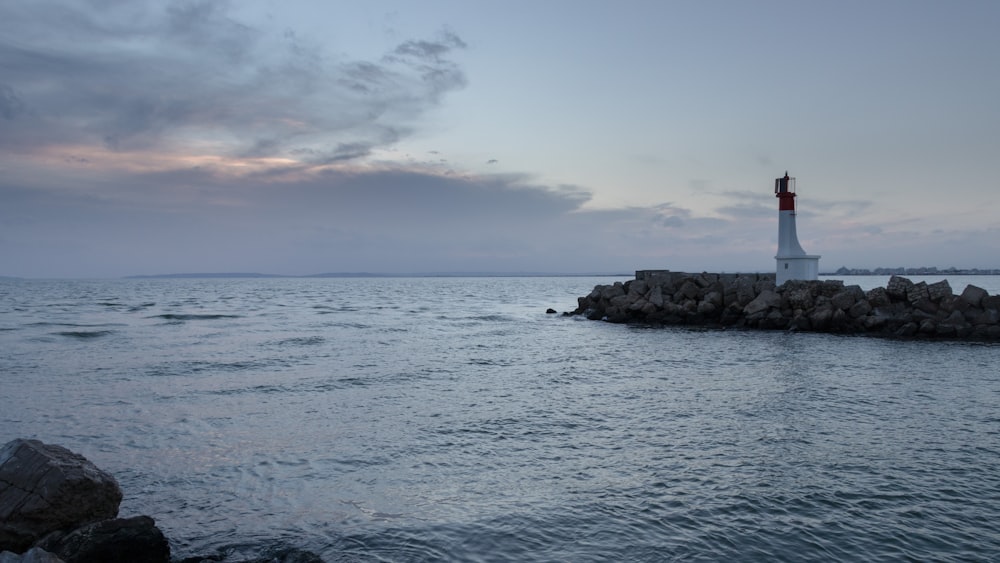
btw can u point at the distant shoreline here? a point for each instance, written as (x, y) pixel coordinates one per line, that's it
(913, 272)
(377, 275)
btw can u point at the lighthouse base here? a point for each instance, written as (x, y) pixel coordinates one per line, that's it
(802, 267)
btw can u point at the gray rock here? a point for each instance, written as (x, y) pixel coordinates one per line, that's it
(798, 297)
(917, 292)
(608, 292)
(878, 297)
(706, 308)
(44, 488)
(763, 302)
(843, 300)
(939, 290)
(638, 287)
(926, 305)
(745, 292)
(974, 295)
(655, 296)
(688, 290)
(714, 297)
(135, 540)
(820, 318)
(860, 309)
(897, 287)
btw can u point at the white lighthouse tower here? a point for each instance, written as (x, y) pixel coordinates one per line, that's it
(793, 262)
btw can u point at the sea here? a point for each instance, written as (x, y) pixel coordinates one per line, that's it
(393, 419)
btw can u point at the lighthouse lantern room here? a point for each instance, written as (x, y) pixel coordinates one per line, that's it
(793, 262)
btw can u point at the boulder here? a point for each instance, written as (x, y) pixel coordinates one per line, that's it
(609, 292)
(897, 288)
(745, 292)
(136, 540)
(820, 318)
(878, 297)
(799, 297)
(917, 292)
(706, 308)
(974, 295)
(763, 302)
(45, 487)
(638, 287)
(829, 288)
(843, 300)
(713, 297)
(860, 309)
(655, 296)
(926, 306)
(688, 290)
(939, 290)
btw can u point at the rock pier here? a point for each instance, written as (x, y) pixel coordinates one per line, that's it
(901, 309)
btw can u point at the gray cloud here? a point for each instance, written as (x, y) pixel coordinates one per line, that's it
(383, 221)
(10, 104)
(143, 76)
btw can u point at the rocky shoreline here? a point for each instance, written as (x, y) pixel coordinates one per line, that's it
(58, 507)
(901, 309)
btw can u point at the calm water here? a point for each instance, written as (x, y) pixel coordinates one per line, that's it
(451, 419)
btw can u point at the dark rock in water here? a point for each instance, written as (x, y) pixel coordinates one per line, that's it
(939, 290)
(33, 555)
(550, 311)
(897, 288)
(45, 488)
(133, 540)
(974, 295)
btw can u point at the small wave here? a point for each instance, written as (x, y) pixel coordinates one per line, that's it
(302, 341)
(84, 334)
(491, 318)
(193, 317)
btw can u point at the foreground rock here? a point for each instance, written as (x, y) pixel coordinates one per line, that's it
(135, 539)
(62, 507)
(901, 309)
(58, 507)
(45, 488)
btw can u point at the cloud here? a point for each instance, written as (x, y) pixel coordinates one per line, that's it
(146, 76)
(389, 219)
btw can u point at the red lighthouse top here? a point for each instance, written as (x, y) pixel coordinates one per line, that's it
(784, 190)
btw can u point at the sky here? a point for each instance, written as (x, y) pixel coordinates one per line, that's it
(143, 137)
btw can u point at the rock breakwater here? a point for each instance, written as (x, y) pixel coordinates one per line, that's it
(901, 309)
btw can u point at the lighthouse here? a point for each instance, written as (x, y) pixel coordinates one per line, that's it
(793, 262)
